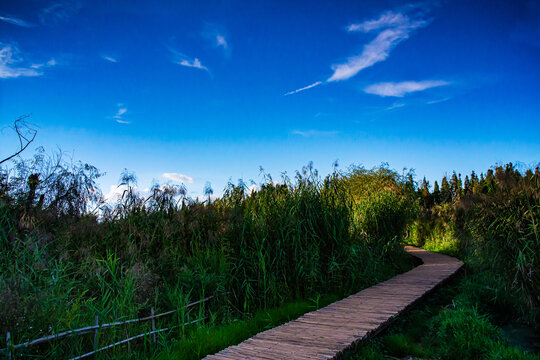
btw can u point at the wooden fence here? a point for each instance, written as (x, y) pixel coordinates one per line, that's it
(11, 348)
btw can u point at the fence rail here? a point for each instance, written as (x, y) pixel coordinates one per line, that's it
(96, 327)
(154, 332)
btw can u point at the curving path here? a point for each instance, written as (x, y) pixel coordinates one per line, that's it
(327, 332)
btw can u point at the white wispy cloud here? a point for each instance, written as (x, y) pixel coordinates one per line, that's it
(120, 112)
(221, 41)
(438, 100)
(386, 19)
(395, 105)
(314, 133)
(181, 178)
(115, 193)
(195, 63)
(119, 115)
(217, 36)
(109, 58)
(51, 62)
(11, 59)
(184, 60)
(59, 11)
(203, 197)
(304, 88)
(15, 21)
(400, 89)
(395, 27)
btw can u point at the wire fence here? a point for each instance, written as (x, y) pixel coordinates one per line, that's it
(11, 348)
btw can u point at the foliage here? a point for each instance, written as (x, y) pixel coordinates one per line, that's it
(462, 332)
(446, 325)
(491, 222)
(63, 262)
(51, 185)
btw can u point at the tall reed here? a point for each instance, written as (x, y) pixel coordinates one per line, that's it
(258, 249)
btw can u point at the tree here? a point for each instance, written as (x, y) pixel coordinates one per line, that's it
(455, 186)
(436, 193)
(489, 183)
(424, 193)
(467, 185)
(446, 193)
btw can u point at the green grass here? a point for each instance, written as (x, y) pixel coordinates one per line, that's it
(402, 345)
(460, 331)
(209, 340)
(446, 325)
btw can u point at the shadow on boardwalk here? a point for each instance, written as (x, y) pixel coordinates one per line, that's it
(328, 332)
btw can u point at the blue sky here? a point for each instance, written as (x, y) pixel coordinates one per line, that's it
(209, 91)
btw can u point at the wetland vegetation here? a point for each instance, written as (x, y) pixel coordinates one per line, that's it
(267, 255)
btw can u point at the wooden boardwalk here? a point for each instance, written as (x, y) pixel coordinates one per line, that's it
(327, 332)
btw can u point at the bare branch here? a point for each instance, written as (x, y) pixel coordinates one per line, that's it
(25, 134)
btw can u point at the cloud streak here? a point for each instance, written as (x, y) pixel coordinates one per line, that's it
(304, 88)
(217, 37)
(221, 41)
(395, 27)
(184, 60)
(109, 58)
(10, 58)
(392, 27)
(194, 63)
(394, 106)
(403, 88)
(314, 133)
(15, 21)
(59, 11)
(119, 116)
(181, 178)
(438, 100)
(386, 19)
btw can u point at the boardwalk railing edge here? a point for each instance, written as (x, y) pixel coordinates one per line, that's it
(399, 294)
(11, 348)
(372, 334)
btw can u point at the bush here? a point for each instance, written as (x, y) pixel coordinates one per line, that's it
(461, 332)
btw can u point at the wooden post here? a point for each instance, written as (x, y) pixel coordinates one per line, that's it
(96, 323)
(153, 324)
(8, 343)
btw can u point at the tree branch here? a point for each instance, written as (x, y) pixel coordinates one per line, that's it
(18, 126)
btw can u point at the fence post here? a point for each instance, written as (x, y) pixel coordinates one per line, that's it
(8, 344)
(153, 324)
(96, 323)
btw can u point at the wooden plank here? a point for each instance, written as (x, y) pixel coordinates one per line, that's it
(327, 332)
